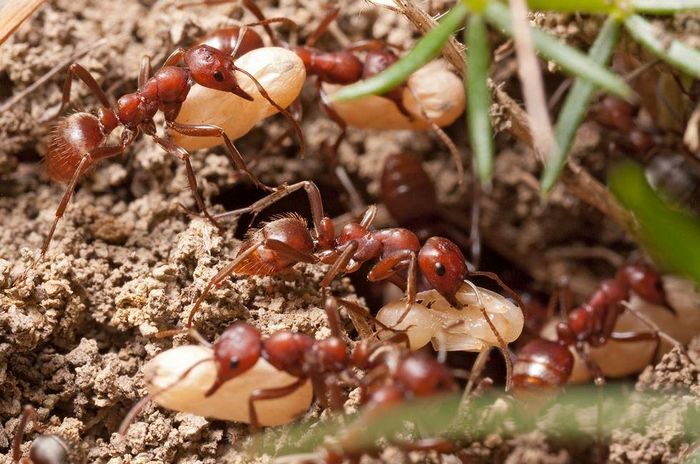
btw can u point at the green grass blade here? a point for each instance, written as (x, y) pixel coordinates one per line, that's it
(576, 104)
(664, 6)
(670, 236)
(424, 51)
(479, 97)
(674, 52)
(568, 58)
(573, 6)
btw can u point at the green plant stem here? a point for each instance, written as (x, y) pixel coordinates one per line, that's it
(479, 97)
(424, 51)
(576, 104)
(670, 236)
(664, 6)
(573, 6)
(568, 58)
(674, 52)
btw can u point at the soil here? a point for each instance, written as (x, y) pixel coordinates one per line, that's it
(127, 261)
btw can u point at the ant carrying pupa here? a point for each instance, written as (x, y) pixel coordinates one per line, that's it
(432, 98)
(79, 141)
(438, 264)
(545, 364)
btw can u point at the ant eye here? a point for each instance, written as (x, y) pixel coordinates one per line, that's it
(218, 76)
(439, 269)
(233, 363)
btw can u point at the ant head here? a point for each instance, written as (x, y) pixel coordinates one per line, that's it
(542, 364)
(422, 375)
(443, 265)
(237, 350)
(645, 282)
(214, 69)
(49, 449)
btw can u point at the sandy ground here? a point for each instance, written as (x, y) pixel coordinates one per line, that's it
(127, 262)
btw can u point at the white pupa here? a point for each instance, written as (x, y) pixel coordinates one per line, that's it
(280, 72)
(619, 359)
(439, 91)
(230, 402)
(433, 319)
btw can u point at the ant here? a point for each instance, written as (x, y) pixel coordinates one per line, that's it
(46, 449)
(343, 68)
(549, 364)
(326, 363)
(401, 259)
(79, 141)
(409, 195)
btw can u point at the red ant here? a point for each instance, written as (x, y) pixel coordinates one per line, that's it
(343, 68)
(46, 449)
(438, 264)
(409, 195)
(78, 141)
(549, 364)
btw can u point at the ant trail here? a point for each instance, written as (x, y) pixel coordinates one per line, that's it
(501, 342)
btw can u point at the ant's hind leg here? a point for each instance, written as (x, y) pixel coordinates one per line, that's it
(84, 75)
(184, 155)
(262, 394)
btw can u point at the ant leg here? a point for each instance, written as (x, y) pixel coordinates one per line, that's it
(28, 413)
(331, 307)
(145, 71)
(227, 270)
(285, 113)
(439, 445)
(368, 217)
(262, 394)
(501, 342)
(84, 75)
(357, 205)
(340, 264)
(184, 155)
(389, 266)
(97, 154)
(495, 278)
(334, 393)
(322, 27)
(208, 130)
(312, 192)
(175, 57)
(371, 45)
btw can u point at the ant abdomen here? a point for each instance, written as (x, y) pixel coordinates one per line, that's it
(334, 68)
(542, 364)
(406, 189)
(266, 256)
(72, 139)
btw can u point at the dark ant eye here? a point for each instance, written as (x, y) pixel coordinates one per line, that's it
(233, 363)
(218, 76)
(439, 269)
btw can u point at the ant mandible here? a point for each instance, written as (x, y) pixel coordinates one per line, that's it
(78, 141)
(549, 364)
(46, 449)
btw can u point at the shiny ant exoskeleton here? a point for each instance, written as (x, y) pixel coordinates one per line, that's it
(46, 449)
(241, 355)
(400, 258)
(79, 141)
(543, 364)
(344, 67)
